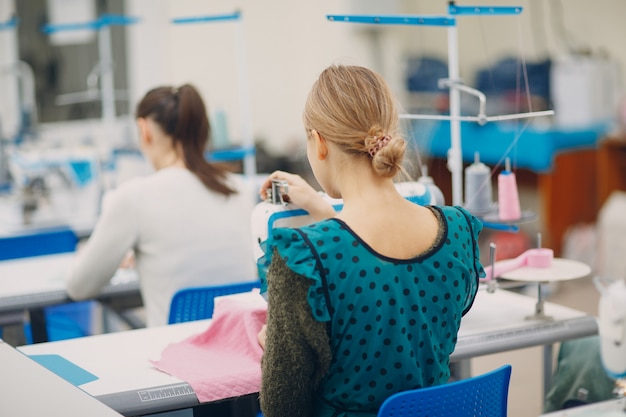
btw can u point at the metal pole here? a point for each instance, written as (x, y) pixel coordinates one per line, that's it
(455, 160)
(107, 86)
(249, 161)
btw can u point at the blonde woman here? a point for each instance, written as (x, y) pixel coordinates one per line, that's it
(367, 302)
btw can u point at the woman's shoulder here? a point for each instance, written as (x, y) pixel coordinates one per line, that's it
(299, 252)
(459, 215)
(312, 235)
(297, 247)
(127, 189)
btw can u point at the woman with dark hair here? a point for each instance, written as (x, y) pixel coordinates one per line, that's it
(188, 223)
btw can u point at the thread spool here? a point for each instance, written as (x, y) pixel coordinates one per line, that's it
(508, 197)
(219, 130)
(436, 193)
(478, 194)
(540, 257)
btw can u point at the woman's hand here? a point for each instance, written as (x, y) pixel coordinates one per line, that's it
(129, 260)
(261, 336)
(300, 193)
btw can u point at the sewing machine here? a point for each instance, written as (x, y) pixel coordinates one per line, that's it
(275, 211)
(51, 186)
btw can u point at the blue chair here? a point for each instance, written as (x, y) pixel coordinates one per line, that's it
(197, 303)
(64, 321)
(484, 395)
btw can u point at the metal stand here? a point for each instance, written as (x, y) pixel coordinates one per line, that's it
(539, 312)
(247, 152)
(104, 69)
(454, 83)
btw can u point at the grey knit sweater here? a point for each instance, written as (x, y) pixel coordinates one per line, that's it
(297, 351)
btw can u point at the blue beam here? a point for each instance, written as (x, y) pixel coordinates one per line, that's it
(414, 20)
(484, 10)
(207, 19)
(102, 21)
(9, 24)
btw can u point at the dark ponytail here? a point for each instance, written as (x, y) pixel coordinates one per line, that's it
(181, 113)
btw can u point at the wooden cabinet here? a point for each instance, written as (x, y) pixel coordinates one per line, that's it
(568, 194)
(611, 167)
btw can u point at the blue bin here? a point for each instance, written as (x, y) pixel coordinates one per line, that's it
(66, 321)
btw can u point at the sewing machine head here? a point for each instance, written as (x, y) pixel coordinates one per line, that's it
(277, 193)
(53, 186)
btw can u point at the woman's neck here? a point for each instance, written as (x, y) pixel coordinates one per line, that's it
(360, 187)
(169, 161)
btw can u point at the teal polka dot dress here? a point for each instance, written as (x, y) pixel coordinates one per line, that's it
(392, 323)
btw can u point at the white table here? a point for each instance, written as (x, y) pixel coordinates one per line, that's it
(29, 389)
(610, 408)
(127, 380)
(497, 322)
(129, 384)
(30, 284)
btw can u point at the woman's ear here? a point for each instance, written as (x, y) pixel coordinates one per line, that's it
(321, 146)
(145, 136)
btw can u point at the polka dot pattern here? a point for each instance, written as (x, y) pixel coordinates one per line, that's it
(393, 323)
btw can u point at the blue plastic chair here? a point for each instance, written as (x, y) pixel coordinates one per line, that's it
(484, 395)
(197, 303)
(64, 321)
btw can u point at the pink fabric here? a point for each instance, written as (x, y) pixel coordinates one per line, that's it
(224, 361)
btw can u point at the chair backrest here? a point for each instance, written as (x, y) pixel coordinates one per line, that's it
(62, 321)
(484, 395)
(38, 243)
(196, 303)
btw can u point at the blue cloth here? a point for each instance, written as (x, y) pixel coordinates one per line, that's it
(392, 323)
(535, 149)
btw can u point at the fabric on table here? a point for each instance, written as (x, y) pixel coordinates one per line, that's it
(579, 371)
(224, 361)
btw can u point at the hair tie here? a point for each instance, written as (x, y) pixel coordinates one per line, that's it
(379, 144)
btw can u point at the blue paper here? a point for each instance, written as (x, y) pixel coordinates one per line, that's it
(67, 370)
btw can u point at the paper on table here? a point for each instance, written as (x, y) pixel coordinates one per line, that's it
(67, 370)
(225, 360)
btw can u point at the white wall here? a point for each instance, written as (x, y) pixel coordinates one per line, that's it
(289, 42)
(9, 104)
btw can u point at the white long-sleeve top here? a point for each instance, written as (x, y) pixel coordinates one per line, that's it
(182, 234)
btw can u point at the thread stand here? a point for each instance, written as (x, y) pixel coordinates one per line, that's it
(560, 270)
(539, 310)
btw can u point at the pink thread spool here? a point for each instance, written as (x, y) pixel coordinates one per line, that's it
(508, 197)
(539, 258)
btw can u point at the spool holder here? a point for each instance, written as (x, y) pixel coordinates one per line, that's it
(539, 307)
(453, 82)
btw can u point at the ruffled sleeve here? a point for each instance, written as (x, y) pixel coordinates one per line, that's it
(475, 227)
(294, 247)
